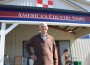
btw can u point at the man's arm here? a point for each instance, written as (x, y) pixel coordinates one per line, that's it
(55, 55)
(28, 50)
(27, 47)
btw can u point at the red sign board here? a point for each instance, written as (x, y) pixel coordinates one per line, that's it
(43, 16)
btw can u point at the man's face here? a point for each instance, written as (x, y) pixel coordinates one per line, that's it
(43, 28)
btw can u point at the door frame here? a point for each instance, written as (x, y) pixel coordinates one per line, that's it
(59, 55)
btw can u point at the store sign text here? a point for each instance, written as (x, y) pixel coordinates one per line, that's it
(50, 16)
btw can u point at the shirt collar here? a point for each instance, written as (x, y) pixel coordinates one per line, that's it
(44, 35)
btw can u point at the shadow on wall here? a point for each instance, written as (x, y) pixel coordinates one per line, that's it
(87, 60)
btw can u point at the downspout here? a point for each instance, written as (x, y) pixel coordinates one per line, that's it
(77, 5)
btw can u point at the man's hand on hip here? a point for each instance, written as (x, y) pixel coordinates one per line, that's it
(33, 57)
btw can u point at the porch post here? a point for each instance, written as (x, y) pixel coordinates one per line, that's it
(3, 32)
(2, 43)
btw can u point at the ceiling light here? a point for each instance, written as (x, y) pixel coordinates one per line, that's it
(70, 30)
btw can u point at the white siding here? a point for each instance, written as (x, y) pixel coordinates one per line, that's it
(85, 6)
(60, 35)
(63, 4)
(60, 4)
(21, 2)
(80, 51)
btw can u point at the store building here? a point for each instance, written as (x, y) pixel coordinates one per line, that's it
(19, 23)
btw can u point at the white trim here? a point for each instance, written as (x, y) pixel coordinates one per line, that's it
(49, 23)
(2, 43)
(89, 35)
(3, 32)
(5, 1)
(11, 28)
(0, 32)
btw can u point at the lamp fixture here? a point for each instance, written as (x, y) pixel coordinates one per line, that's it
(70, 30)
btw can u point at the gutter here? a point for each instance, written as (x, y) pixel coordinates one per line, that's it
(77, 5)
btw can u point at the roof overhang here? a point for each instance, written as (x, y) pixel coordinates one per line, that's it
(35, 15)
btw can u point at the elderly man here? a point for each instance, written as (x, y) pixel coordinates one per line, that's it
(44, 47)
